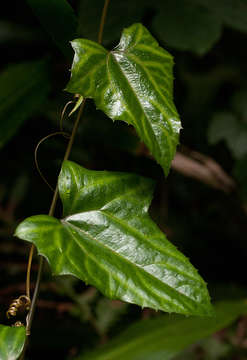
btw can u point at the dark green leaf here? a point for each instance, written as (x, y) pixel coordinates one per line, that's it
(194, 25)
(133, 83)
(164, 337)
(225, 126)
(185, 25)
(182, 24)
(24, 88)
(108, 240)
(231, 12)
(212, 348)
(58, 19)
(11, 342)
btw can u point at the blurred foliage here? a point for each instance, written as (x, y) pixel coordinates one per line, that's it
(189, 26)
(59, 20)
(225, 126)
(164, 337)
(182, 24)
(231, 126)
(232, 13)
(206, 224)
(24, 88)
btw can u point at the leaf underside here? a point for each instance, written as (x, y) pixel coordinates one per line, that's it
(133, 83)
(12, 340)
(107, 239)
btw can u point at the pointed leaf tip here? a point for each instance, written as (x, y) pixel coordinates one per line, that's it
(107, 239)
(132, 83)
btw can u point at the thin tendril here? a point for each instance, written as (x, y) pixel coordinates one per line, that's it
(30, 257)
(36, 152)
(51, 212)
(63, 113)
(55, 196)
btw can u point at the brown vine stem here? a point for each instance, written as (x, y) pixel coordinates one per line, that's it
(30, 258)
(41, 259)
(53, 205)
(102, 21)
(31, 252)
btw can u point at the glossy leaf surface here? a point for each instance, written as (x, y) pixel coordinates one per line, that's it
(166, 336)
(11, 342)
(133, 83)
(108, 240)
(24, 89)
(58, 19)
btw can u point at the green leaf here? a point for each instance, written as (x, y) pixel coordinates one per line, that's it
(231, 12)
(108, 240)
(185, 25)
(133, 83)
(24, 88)
(58, 19)
(194, 25)
(164, 337)
(181, 24)
(12, 340)
(212, 348)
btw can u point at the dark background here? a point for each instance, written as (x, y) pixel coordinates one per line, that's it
(206, 221)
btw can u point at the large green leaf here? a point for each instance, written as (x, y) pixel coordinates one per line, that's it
(12, 340)
(133, 83)
(58, 19)
(108, 240)
(24, 88)
(166, 336)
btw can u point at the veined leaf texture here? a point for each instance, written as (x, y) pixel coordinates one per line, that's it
(107, 239)
(133, 83)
